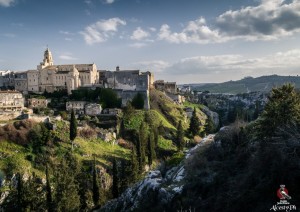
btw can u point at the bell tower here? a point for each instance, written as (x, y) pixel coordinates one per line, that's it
(48, 60)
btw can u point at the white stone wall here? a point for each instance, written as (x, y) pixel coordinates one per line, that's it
(21, 85)
(127, 80)
(11, 101)
(77, 106)
(33, 80)
(92, 109)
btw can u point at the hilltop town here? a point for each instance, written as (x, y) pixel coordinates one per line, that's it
(24, 90)
(75, 138)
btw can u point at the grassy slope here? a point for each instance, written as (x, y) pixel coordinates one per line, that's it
(155, 116)
(13, 156)
(85, 150)
(171, 111)
(200, 114)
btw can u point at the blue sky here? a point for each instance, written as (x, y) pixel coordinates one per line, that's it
(188, 41)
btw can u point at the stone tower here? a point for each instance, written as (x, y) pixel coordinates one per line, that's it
(47, 61)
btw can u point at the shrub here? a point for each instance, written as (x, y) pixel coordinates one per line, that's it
(138, 101)
(123, 143)
(88, 133)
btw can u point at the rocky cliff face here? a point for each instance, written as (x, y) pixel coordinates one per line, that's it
(213, 115)
(155, 192)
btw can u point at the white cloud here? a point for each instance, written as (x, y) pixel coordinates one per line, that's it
(88, 2)
(101, 30)
(153, 65)
(65, 32)
(229, 67)
(17, 24)
(139, 34)
(67, 56)
(9, 35)
(152, 29)
(138, 45)
(271, 19)
(194, 32)
(110, 1)
(7, 3)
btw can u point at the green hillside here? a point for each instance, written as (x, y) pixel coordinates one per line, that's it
(249, 84)
(173, 113)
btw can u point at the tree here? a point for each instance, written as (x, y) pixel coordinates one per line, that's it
(128, 110)
(209, 126)
(38, 138)
(161, 129)
(180, 137)
(151, 150)
(154, 130)
(115, 186)
(48, 191)
(194, 124)
(66, 197)
(85, 181)
(96, 193)
(134, 164)
(109, 98)
(20, 200)
(125, 178)
(256, 110)
(138, 101)
(122, 129)
(73, 128)
(282, 109)
(143, 140)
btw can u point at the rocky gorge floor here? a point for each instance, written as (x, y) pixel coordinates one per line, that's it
(156, 191)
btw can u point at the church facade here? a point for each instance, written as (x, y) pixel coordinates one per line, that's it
(58, 77)
(50, 77)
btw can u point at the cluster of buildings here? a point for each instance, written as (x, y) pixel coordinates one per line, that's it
(48, 77)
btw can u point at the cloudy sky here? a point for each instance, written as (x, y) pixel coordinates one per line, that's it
(188, 41)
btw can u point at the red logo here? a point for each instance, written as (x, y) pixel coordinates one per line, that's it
(283, 193)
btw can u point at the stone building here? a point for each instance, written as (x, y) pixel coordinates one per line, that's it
(134, 80)
(11, 101)
(77, 106)
(179, 99)
(127, 95)
(34, 102)
(112, 111)
(49, 77)
(92, 109)
(83, 107)
(169, 87)
(21, 82)
(128, 83)
(7, 79)
(33, 81)
(70, 77)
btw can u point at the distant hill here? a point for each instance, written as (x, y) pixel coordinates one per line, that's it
(248, 84)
